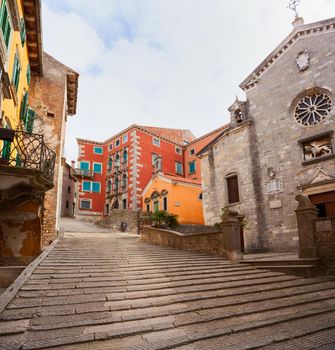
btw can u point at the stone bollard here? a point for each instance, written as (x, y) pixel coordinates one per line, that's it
(231, 235)
(306, 213)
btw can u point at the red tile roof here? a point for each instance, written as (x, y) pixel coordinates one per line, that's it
(176, 135)
(181, 179)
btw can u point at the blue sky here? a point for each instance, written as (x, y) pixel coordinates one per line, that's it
(169, 63)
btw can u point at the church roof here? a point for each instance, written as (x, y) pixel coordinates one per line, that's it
(298, 32)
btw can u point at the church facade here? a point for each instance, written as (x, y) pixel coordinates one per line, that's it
(279, 142)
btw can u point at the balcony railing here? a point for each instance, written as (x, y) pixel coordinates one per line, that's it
(83, 173)
(26, 150)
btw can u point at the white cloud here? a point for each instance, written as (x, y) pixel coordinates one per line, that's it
(179, 67)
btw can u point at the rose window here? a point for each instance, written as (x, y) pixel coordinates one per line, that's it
(313, 108)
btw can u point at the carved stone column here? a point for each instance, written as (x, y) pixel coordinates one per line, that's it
(306, 213)
(231, 235)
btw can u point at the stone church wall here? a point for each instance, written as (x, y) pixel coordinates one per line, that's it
(278, 132)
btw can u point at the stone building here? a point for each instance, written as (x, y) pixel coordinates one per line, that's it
(69, 190)
(279, 142)
(53, 96)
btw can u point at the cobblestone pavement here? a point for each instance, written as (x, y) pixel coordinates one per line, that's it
(106, 290)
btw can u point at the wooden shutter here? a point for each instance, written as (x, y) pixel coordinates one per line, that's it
(232, 187)
(24, 107)
(30, 120)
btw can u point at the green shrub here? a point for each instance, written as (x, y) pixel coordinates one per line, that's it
(160, 218)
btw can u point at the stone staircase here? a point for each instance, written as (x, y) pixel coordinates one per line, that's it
(124, 294)
(291, 265)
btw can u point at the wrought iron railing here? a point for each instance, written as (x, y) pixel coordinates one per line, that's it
(83, 172)
(26, 150)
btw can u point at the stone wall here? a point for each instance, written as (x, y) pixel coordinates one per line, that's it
(117, 216)
(271, 142)
(324, 231)
(208, 243)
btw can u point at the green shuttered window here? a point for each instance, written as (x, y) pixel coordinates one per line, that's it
(16, 72)
(5, 22)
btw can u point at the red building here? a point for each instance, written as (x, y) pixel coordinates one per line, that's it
(113, 173)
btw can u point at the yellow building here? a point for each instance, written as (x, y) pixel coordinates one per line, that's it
(16, 51)
(175, 194)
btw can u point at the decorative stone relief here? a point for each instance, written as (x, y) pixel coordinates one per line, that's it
(274, 186)
(302, 60)
(317, 148)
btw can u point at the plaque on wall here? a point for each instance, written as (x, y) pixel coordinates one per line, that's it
(274, 186)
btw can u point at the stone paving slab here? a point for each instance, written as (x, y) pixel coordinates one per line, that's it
(99, 289)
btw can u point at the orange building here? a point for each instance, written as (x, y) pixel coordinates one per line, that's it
(175, 194)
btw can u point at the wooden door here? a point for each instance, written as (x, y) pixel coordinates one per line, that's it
(325, 202)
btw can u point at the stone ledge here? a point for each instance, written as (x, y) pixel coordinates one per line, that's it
(208, 243)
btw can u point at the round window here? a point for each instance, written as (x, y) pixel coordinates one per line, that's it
(312, 108)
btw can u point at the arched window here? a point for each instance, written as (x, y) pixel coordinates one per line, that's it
(110, 163)
(116, 184)
(125, 157)
(117, 160)
(124, 181)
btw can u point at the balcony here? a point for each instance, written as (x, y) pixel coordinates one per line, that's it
(83, 173)
(26, 154)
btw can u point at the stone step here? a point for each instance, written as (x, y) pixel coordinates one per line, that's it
(298, 270)
(274, 262)
(163, 329)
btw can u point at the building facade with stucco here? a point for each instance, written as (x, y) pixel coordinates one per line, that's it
(279, 142)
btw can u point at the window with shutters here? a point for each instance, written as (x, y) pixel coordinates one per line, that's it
(16, 72)
(5, 22)
(22, 31)
(28, 74)
(29, 120)
(24, 105)
(232, 189)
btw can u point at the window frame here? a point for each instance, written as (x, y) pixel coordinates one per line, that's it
(176, 168)
(97, 163)
(227, 178)
(85, 200)
(98, 147)
(6, 32)
(117, 143)
(83, 184)
(191, 152)
(125, 138)
(180, 152)
(158, 141)
(87, 162)
(95, 183)
(189, 167)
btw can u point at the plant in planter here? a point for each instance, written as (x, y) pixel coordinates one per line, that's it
(160, 218)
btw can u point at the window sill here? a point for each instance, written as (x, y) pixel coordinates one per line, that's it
(318, 159)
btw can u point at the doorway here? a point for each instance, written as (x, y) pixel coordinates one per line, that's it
(325, 202)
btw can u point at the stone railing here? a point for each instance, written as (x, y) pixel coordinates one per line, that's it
(224, 241)
(118, 216)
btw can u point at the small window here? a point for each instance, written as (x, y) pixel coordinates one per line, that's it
(125, 138)
(68, 189)
(156, 206)
(124, 203)
(5, 22)
(178, 150)
(67, 204)
(85, 204)
(22, 31)
(200, 196)
(179, 168)
(96, 187)
(28, 76)
(165, 203)
(97, 168)
(192, 167)
(192, 151)
(156, 141)
(84, 165)
(16, 72)
(148, 207)
(153, 158)
(97, 150)
(125, 157)
(232, 189)
(117, 143)
(110, 147)
(86, 186)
